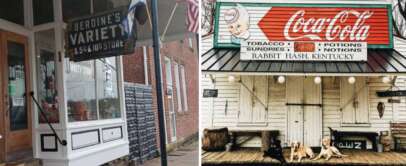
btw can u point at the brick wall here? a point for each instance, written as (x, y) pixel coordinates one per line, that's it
(134, 67)
(181, 53)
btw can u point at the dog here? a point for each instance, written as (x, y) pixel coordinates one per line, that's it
(300, 151)
(328, 150)
(275, 151)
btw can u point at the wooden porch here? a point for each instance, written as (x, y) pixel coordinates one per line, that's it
(253, 156)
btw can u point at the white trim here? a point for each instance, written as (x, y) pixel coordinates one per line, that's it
(145, 54)
(121, 95)
(178, 87)
(307, 74)
(184, 88)
(312, 1)
(13, 27)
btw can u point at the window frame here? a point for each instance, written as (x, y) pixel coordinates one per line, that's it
(184, 87)
(179, 97)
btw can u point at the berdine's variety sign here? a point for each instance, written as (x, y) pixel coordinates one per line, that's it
(318, 32)
(100, 35)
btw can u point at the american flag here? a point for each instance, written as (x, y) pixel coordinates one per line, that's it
(192, 22)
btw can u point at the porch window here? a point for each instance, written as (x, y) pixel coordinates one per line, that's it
(92, 90)
(12, 10)
(354, 101)
(106, 5)
(75, 8)
(43, 11)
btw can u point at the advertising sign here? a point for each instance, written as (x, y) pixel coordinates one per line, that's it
(99, 36)
(325, 30)
(302, 51)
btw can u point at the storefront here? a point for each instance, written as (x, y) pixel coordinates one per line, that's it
(83, 101)
(301, 68)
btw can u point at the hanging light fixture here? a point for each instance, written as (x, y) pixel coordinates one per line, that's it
(351, 80)
(231, 78)
(386, 79)
(317, 80)
(281, 79)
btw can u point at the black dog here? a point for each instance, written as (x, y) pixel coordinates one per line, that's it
(275, 151)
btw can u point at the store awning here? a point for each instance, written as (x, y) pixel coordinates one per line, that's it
(380, 62)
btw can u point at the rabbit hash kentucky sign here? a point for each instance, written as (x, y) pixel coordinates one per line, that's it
(316, 32)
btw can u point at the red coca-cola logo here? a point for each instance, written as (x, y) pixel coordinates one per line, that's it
(327, 24)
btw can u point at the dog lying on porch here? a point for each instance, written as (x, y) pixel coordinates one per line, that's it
(300, 151)
(275, 151)
(328, 150)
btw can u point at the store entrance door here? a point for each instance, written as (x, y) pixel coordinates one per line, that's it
(304, 113)
(15, 107)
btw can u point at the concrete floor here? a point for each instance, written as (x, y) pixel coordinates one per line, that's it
(185, 156)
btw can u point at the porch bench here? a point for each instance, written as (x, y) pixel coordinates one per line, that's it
(273, 134)
(398, 131)
(372, 136)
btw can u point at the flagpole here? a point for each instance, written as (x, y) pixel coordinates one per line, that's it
(158, 79)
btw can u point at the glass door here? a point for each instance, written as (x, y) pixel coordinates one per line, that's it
(17, 133)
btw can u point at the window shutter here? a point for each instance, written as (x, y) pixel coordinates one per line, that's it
(362, 111)
(246, 99)
(259, 114)
(346, 102)
(184, 88)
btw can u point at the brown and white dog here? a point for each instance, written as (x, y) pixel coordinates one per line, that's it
(300, 151)
(328, 150)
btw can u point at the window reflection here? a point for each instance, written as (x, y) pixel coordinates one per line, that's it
(43, 11)
(109, 103)
(75, 8)
(47, 93)
(81, 91)
(16, 86)
(12, 10)
(92, 89)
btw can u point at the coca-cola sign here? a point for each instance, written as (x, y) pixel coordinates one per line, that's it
(327, 24)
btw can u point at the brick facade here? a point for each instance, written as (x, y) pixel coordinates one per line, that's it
(181, 53)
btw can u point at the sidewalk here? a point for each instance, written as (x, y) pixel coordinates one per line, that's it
(184, 156)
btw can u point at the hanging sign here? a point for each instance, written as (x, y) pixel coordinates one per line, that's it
(337, 32)
(98, 36)
(351, 144)
(210, 93)
(391, 93)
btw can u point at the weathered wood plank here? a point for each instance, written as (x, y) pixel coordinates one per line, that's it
(250, 156)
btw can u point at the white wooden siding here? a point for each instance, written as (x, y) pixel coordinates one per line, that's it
(277, 115)
(206, 44)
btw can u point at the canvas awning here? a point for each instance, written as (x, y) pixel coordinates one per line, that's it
(380, 62)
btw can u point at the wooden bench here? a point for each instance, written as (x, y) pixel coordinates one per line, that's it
(398, 131)
(250, 134)
(372, 136)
